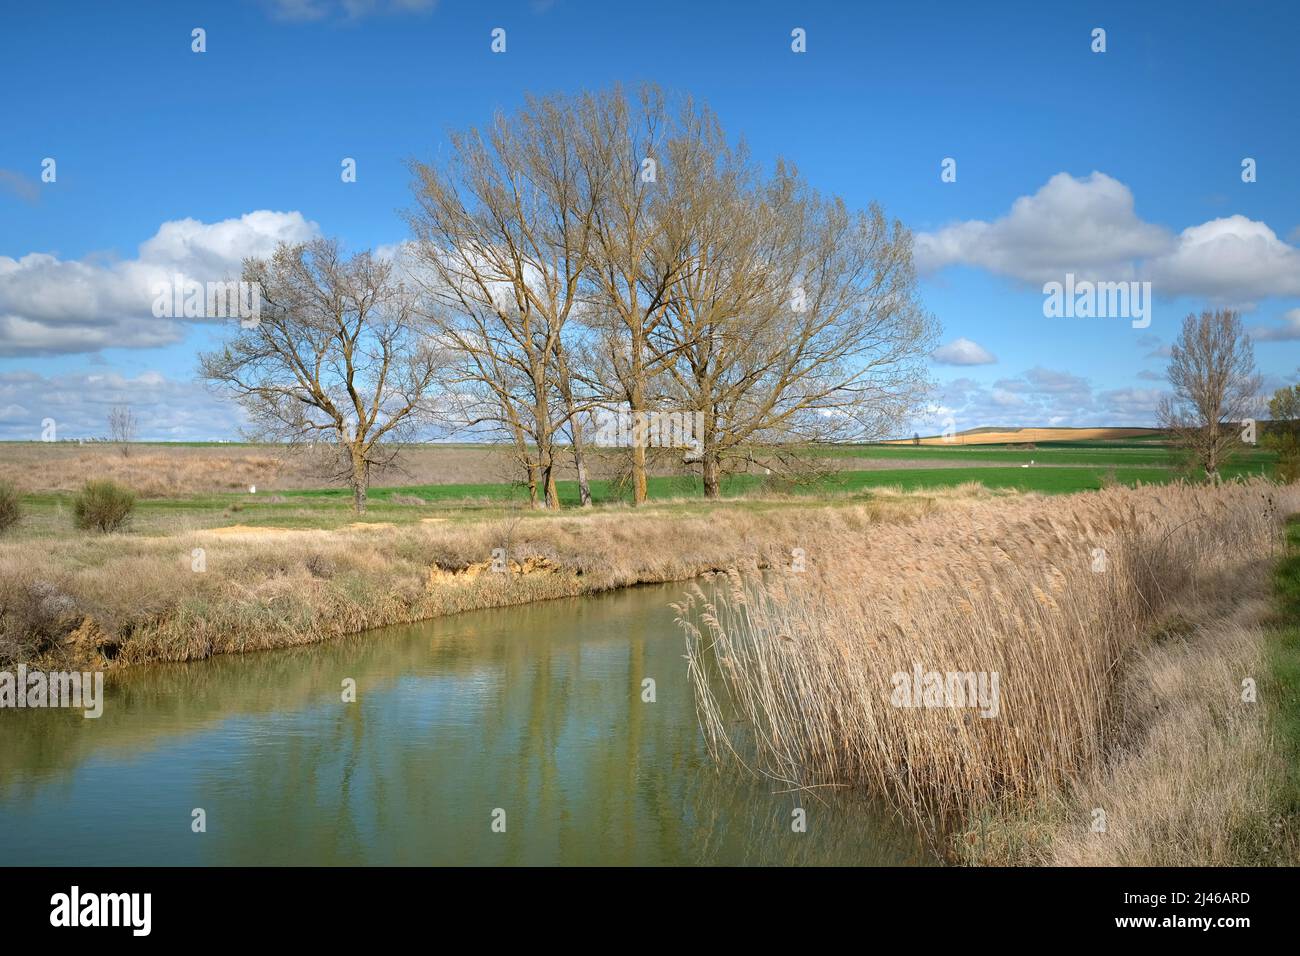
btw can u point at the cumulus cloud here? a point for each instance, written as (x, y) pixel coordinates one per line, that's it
(1227, 259)
(79, 403)
(1088, 226)
(50, 305)
(963, 351)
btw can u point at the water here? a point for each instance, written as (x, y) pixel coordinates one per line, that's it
(536, 711)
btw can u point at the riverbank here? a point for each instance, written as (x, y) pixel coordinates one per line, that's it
(167, 592)
(1129, 637)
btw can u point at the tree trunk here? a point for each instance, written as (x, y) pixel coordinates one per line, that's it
(580, 462)
(532, 485)
(552, 493)
(712, 481)
(575, 426)
(636, 401)
(546, 456)
(544, 431)
(360, 482)
(639, 493)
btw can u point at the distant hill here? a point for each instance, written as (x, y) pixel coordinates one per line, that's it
(999, 435)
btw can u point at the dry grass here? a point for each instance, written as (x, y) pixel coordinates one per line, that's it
(134, 598)
(1190, 785)
(794, 674)
(162, 471)
(178, 471)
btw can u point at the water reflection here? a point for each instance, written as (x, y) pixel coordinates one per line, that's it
(536, 711)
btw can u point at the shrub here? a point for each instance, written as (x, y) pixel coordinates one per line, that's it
(102, 506)
(10, 510)
(34, 617)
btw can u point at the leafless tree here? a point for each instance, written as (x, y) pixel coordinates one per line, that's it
(1215, 387)
(338, 355)
(613, 253)
(503, 237)
(657, 147)
(796, 322)
(122, 427)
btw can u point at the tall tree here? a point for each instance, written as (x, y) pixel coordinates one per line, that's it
(796, 322)
(1215, 387)
(503, 238)
(337, 355)
(657, 149)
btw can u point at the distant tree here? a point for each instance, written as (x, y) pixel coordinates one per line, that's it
(1283, 434)
(1215, 387)
(122, 428)
(336, 355)
(916, 438)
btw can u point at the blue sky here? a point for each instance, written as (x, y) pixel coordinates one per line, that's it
(1117, 165)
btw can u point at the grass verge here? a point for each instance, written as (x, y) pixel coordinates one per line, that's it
(170, 591)
(1282, 692)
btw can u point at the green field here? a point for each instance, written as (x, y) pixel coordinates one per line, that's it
(1057, 468)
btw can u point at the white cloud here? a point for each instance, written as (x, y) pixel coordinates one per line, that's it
(1040, 396)
(50, 305)
(79, 403)
(1288, 331)
(1229, 259)
(1088, 227)
(963, 351)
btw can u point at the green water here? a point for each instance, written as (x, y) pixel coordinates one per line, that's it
(536, 711)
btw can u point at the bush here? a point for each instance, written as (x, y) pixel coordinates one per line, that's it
(102, 506)
(10, 510)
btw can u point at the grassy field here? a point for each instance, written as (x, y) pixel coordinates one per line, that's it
(209, 484)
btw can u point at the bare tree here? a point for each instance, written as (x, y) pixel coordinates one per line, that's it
(337, 355)
(1215, 387)
(658, 150)
(503, 238)
(122, 427)
(615, 254)
(796, 322)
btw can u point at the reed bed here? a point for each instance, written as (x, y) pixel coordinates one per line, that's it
(796, 673)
